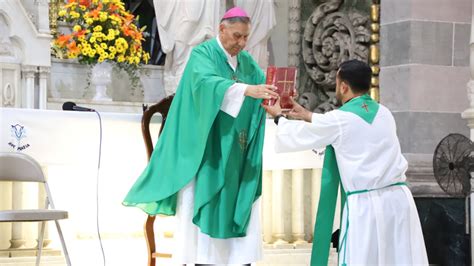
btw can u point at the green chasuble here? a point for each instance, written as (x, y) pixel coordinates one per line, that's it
(200, 141)
(365, 108)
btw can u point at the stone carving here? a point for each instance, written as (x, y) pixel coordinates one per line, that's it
(294, 39)
(8, 96)
(330, 37)
(6, 47)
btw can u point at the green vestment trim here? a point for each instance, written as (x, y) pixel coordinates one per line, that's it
(200, 141)
(367, 109)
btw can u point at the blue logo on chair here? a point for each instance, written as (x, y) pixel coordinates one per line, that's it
(18, 133)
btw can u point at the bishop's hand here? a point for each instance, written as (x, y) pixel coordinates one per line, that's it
(262, 91)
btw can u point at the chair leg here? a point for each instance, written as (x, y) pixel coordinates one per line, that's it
(150, 239)
(40, 243)
(66, 254)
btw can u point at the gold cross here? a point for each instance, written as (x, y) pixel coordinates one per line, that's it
(243, 140)
(285, 82)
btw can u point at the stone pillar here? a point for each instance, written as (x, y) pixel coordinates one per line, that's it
(28, 74)
(469, 116)
(297, 210)
(44, 73)
(42, 9)
(315, 193)
(278, 224)
(267, 206)
(42, 204)
(294, 36)
(17, 240)
(424, 70)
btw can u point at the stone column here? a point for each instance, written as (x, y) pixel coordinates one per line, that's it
(315, 193)
(278, 224)
(297, 208)
(267, 206)
(469, 116)
(294, 37)
(43, 16)
(424, 69)
(17, 240)
(28, 74)
(44, 73)
(42, 204)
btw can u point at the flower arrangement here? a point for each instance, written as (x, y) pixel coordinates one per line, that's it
(102, 30)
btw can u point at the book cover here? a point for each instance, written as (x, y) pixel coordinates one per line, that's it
(284, 78)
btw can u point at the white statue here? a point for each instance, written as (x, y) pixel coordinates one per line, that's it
(183, 24)
(262, 16)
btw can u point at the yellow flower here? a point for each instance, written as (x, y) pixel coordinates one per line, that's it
(101, 59)
(92, 40)
(111, 56)
(89, 21)
(103, 45)
(71, 55)
(146, 57)
(74, 14)
(83, 8)
(76, 28)
(120, 58)
(62, 13)
(98, 28)
(112, 49)
(103, 16)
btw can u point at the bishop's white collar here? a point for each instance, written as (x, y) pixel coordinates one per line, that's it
(232, 60)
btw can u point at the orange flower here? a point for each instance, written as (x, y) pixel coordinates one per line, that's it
(95, 13)
(80, 33)
(127, 31)
(63, 39)
(113, 7)
(73, 48)
(85, 3)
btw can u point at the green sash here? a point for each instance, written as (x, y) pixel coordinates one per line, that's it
(365, 108)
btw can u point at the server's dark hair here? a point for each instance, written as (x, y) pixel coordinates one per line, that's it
(357, 74)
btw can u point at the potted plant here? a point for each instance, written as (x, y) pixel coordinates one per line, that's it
(104, 35)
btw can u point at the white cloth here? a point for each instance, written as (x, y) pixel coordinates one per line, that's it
(262, 15)
(384, 227)
(192, 246)
(183, 24)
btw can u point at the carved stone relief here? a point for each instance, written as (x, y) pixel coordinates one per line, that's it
(6, 47)
(8, 96)
(331, 36)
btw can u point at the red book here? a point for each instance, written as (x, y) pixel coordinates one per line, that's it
(284, 78)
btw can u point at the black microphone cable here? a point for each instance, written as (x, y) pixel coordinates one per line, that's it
(97, 187)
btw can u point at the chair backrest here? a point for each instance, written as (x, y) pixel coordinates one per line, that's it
(161, 107)
(20, 167)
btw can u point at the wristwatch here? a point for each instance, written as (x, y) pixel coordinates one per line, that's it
(277, 118)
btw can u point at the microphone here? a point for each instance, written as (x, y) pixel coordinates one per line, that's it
(70, 106)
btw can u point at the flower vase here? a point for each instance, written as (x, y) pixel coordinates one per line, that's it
(100, 79)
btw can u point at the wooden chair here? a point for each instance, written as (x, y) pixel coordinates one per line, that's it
(162, 108)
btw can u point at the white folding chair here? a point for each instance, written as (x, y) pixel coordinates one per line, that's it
(19, 167)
